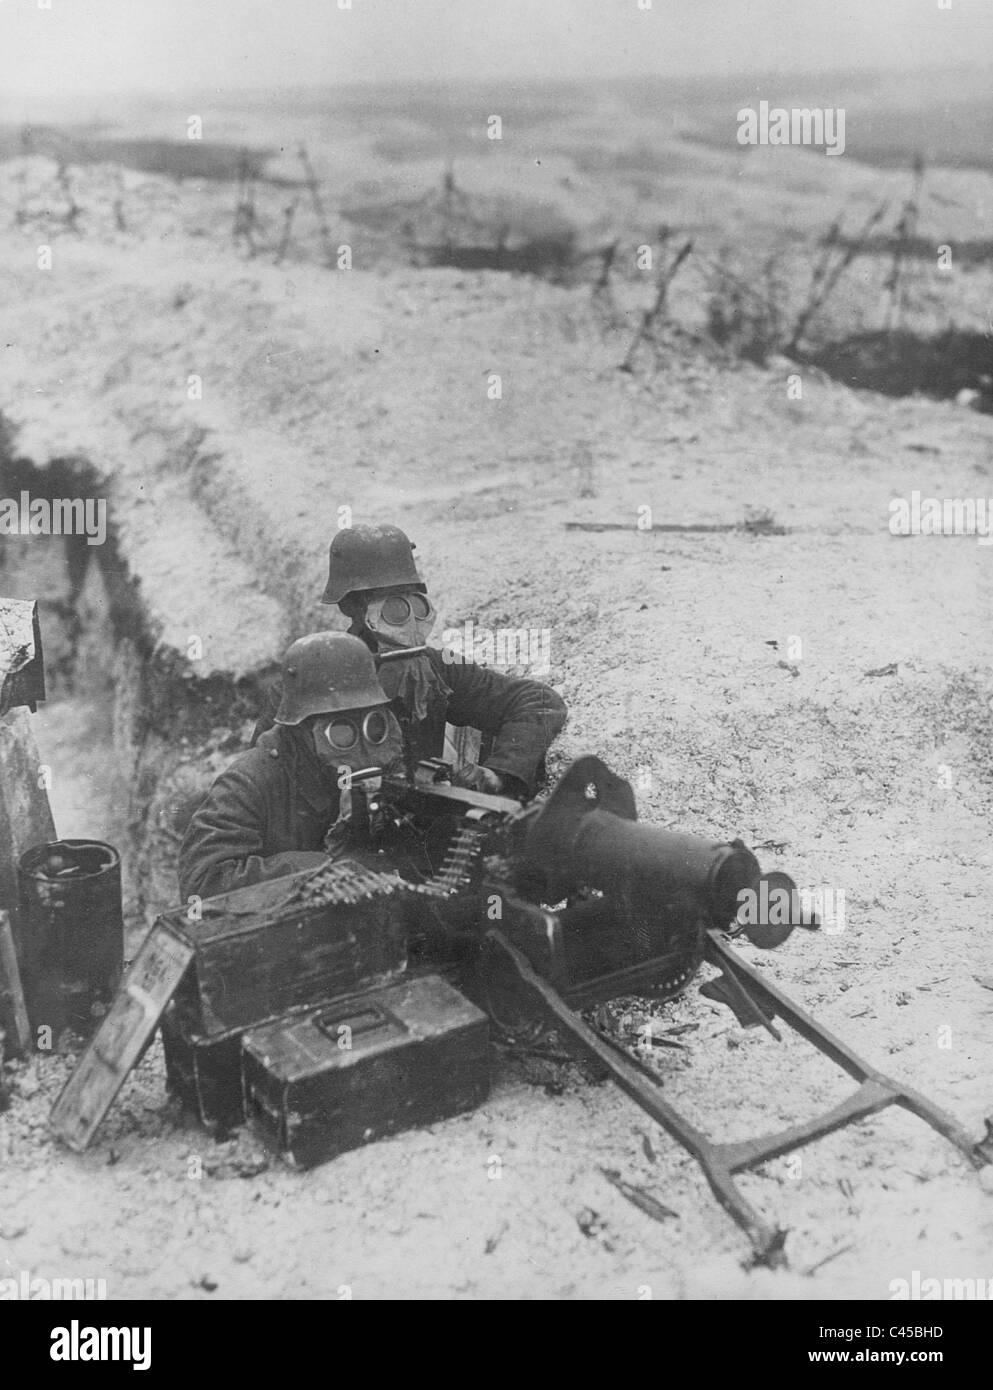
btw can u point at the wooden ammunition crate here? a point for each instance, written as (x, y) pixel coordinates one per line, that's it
(258, 952)
(342, 1075)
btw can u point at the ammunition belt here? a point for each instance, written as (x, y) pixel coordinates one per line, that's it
(344, 883)
(456, 872)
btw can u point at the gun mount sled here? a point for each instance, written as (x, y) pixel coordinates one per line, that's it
(637, 910)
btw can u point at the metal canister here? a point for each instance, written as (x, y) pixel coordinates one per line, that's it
(70, 932)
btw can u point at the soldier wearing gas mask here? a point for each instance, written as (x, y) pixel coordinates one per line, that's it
(373, 580)
(276, 808)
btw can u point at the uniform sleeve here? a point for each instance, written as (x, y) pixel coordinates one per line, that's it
(221, 850)
(521, 716)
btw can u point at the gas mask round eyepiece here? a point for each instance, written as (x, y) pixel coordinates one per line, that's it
(358, 739)
(401, 620)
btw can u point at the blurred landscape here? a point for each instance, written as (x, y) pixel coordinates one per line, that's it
(582, 173)
(945, 116)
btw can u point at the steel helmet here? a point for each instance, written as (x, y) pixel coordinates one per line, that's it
(369, 557)
(326, 672)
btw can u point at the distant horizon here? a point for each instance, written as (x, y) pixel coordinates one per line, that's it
(283, 91)
(943, 116)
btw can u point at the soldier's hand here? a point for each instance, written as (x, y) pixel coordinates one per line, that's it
(479, 779)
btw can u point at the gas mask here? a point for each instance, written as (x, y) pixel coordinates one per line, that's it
(357, 739)
(400, 620)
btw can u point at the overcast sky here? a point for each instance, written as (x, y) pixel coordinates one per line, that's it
(104, 46)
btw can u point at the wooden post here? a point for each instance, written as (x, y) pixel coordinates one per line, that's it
(22, 664)
(25, 815)
(314, 189)
(652, 318)
(461, 745)
(15, 1031)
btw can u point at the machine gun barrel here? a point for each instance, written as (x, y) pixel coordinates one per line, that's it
(586, 835)
(649, 866)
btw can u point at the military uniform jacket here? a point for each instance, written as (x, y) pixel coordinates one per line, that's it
(267, 815)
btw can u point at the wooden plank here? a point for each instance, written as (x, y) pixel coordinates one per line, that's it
(13, 1009)
(22, 667)
(462, 743)
(118, 1043)
(25, 814)
(659, 526)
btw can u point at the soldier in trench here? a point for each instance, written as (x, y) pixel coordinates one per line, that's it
(277, 809)
(373, 580)
(271, 812)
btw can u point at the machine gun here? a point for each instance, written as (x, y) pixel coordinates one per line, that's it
(566, 902)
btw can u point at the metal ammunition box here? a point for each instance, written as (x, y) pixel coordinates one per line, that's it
(347, 1073)
(206, 1073)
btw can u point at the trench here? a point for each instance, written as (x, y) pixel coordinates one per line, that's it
(905, 364)
(132, 737)
(178, 159)
(552, 258)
